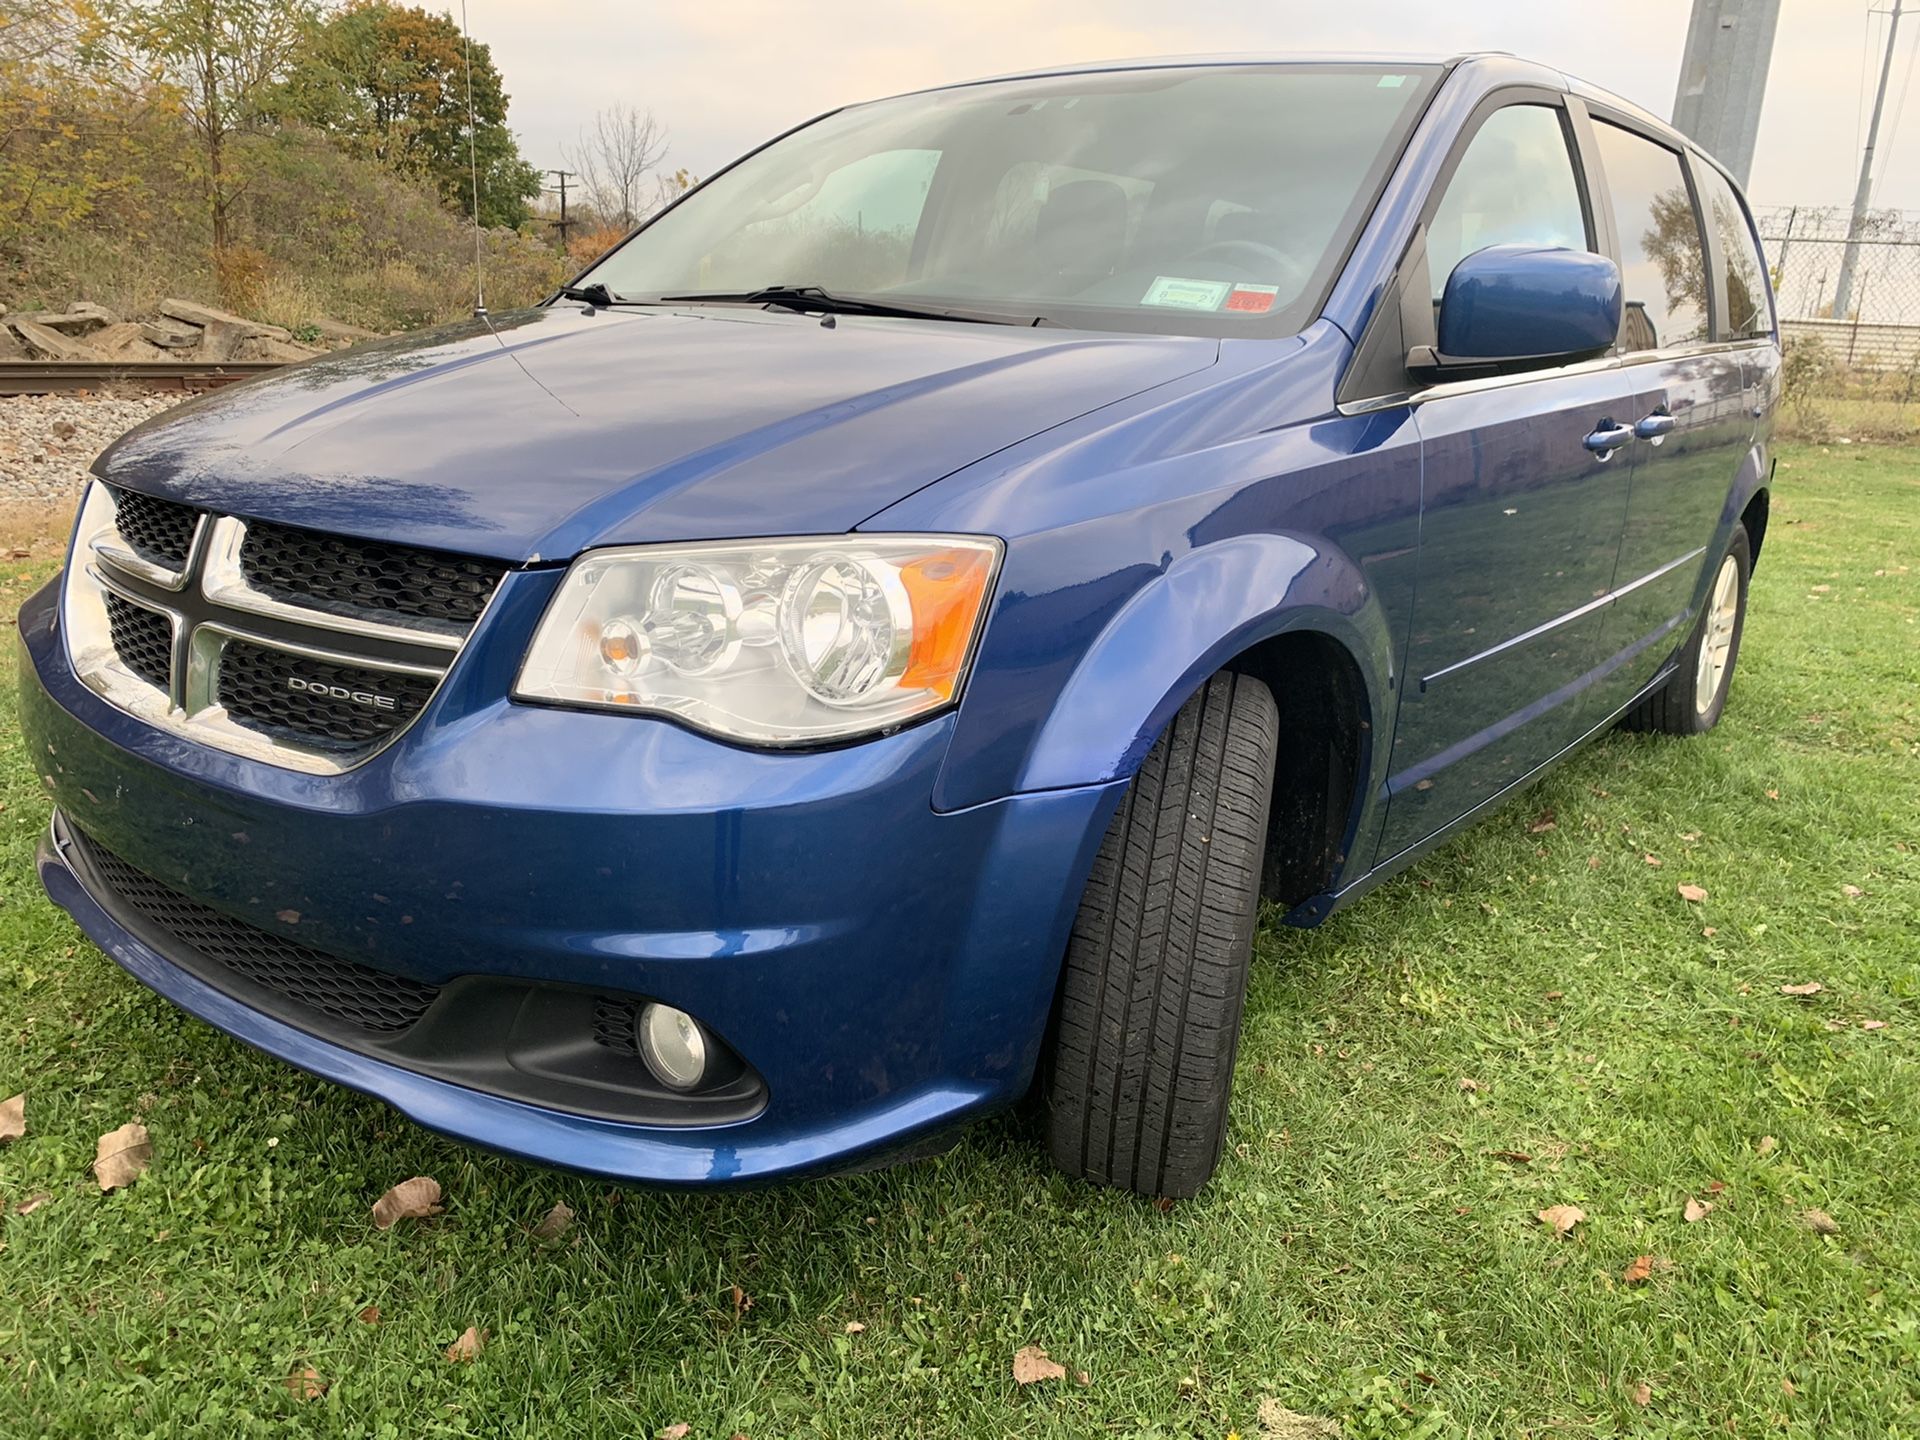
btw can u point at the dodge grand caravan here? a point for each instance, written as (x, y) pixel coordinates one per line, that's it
(865, 649)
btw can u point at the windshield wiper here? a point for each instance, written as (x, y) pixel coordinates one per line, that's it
(805, 298)
(592, 293)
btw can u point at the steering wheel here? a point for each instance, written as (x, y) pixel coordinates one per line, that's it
(1251, 255)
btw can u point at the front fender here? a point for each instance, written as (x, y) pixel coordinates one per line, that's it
(1205, 608)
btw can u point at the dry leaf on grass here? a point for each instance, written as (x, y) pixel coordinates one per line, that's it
(742, 1302)
(1643, 1394)
(370, 1315)
(413, 1199)
(13, 1117)
(676, 1431)
(1766, 1146)
(555, 1223)
(1562, 1218)
(1654, 861)
(306, 1384)
(122, 1156)
(1692, 892)
(1638, 1269)
(1030, 1364)
(32, 1203)
(1541, 826)
(1812, 987)
(468, 1347)
(1696, 1210)
(1472, 1087)
(1873, 1024)
(1820, 1222)
(1852, 892)
(1279, 1423)
(854, 1327)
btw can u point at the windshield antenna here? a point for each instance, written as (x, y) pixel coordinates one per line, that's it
(473, 168)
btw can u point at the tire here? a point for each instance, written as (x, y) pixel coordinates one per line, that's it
(1691, 701)
(1141, 1064)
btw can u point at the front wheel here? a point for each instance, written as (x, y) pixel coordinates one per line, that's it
(1691, 701)
(1141, 1064)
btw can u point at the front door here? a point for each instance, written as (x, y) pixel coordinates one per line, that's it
(1523, 494)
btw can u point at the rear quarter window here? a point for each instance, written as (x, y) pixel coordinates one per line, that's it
(1747, 313)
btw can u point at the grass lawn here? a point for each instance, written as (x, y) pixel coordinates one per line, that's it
(1533, 1017)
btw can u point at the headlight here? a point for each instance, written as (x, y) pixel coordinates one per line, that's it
(775, 641)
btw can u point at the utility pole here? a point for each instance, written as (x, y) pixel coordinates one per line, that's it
(1863, 193)
(563, 224)
(1723, 78)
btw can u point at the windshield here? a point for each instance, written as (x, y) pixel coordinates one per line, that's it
(1198, 200)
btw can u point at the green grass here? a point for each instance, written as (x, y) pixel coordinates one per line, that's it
(1367, 1252)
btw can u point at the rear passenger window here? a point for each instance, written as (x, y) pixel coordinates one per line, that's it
(1747, 312)
(1662, 262)
(1514, 185)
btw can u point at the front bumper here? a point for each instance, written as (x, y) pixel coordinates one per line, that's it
(884, 969)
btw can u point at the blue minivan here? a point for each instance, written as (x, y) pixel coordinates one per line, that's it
(864, 651)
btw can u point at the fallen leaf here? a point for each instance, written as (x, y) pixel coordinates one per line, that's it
(1773, 794)
(1812, 987)
(854, 1327)
(1593, 862)
(122, 1156)
(1709, 932)
(1554, 995)
(554, 1224)
(1472, 1087)
(1820, 1222)
(1852, 892)
(306, 1384)
(1279, 1423)
(742, 1302)
(1512, 1157)
(472, 1340)
(413, 1199)
(1766, 1146)
(1030, 1364)
(1545, 823)
(1082, 1378)
(1654, 860)
(1691, 836)
(676, 1431)
(1638, 1269)
(1787, 1388)
(1643, 1394)
(1693, 893)
(1873, 1024)
(13, 1118)
(1562, 1218)
(1164, 1203)
(32, 1203)
(1696, 1210)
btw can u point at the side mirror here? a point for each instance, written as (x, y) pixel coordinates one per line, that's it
(1513, 304)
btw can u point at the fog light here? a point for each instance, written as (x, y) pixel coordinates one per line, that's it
(672, 1044)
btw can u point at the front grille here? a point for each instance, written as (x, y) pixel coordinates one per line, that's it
(142, 638)
(158, 531)
(287, 696)
(359, 995)
(364, 578)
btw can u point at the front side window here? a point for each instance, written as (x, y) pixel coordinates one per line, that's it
(1206, 200)
(1514, 185)
(1747, 313)
(1662, 262)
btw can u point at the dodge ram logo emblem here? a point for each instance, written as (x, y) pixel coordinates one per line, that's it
(347, 693)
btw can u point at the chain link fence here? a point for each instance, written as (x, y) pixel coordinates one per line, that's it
(1850, 319)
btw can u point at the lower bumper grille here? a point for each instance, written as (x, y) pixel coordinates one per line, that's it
(358, 995)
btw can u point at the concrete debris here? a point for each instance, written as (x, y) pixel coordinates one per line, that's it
(169, 336)
(184, 330)
(50, 344)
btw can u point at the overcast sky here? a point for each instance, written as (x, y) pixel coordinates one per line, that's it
(725, 74)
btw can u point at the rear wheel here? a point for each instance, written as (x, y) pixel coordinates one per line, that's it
(1141, 1064)
(1692, 700)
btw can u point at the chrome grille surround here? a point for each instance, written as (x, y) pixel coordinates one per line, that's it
(210, 605)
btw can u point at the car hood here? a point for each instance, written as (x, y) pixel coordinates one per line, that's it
(543, 432)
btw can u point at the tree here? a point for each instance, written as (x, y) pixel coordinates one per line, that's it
(225, 57)
(614, 158)
(390, 82)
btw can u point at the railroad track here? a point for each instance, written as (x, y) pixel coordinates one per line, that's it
(49, 377)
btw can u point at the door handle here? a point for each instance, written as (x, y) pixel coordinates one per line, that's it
(1654, 427)
(1607, 438)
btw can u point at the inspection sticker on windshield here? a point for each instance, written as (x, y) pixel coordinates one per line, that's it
(1186, 294)
(1253, 297)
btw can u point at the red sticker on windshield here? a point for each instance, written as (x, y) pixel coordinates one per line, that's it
(1252, 297)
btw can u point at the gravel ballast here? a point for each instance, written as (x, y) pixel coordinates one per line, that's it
(48, 441)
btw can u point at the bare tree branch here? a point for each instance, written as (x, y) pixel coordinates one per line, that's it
(614, 157)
